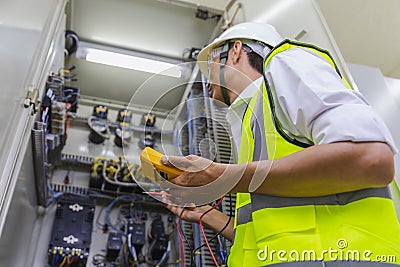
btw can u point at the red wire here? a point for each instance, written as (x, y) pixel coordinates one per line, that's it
(182, 243)
(204, 234)
(72, 261)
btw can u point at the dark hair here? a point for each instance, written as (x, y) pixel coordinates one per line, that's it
(256, 61)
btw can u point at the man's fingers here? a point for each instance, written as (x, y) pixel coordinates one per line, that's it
(175, 209)
(189, 163)
(177, 162)
(165, 161)
(178, 181)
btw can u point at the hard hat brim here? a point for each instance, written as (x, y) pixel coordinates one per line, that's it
(202, 58)
(261, 32)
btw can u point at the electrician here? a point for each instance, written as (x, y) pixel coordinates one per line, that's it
(314, 158)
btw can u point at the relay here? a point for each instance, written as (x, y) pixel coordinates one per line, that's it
(114, 245)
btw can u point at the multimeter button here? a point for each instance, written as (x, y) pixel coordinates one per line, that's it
(164, 175)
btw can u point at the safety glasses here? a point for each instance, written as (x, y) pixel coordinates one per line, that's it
(216, 52)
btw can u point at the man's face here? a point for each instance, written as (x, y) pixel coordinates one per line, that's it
(214, 88)
(232, 72)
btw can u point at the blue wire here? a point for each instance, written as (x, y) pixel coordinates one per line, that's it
(55, 195)
(165, 255)
(55, 259)
(221, 252)
(109, 208)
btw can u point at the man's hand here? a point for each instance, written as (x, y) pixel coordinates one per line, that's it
(214, 219)
(202, 180)
(197, 170)
(190, 214)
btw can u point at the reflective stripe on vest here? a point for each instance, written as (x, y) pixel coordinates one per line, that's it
(244, 214)
(261, 201)
(243, 209)
(263, 136)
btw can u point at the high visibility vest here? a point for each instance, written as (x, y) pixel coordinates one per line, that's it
(305, 230)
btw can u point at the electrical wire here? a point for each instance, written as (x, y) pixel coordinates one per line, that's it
(222, 229)
(115, 181)
(77, 95)
(69, 34)
(183, 233)
(64, 260)
(221, 250)
(98, 223)
(125, 255)
(181, 238)
(132, 249)
(72, 261)
(196, 257)
(105, 123)
(98, 259)
(55, 195)
(165, 255)
(126, 198)
(204, 234)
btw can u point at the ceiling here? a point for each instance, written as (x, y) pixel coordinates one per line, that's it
(366, 31)
(153, 27)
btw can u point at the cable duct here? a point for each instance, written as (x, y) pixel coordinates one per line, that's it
(39, 162)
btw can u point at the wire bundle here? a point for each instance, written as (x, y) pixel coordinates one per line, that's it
(221, 248)
(64, 257)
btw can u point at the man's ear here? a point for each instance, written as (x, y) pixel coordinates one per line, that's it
(236, 51)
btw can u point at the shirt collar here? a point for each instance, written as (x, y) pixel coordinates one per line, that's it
(248, 92)
(237, 108)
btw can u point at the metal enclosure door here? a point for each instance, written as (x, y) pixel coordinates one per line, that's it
(31, 32)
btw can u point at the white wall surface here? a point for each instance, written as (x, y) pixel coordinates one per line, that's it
(366, 32)
(383, 98)
(27, 14)
(394, 87)
(290, 17)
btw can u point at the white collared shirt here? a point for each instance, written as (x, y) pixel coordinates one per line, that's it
(313, 103)
(236, 110)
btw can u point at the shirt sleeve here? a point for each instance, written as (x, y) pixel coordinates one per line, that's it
(312, 101)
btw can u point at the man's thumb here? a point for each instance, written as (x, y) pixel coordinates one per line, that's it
(175, 161)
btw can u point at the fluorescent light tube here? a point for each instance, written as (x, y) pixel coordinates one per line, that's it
(132, 62)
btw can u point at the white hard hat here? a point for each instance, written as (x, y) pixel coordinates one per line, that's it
(260, 32)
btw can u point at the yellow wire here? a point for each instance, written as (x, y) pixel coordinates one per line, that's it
(95, 160)
(63, 262)
(65, 71)
(95, 166)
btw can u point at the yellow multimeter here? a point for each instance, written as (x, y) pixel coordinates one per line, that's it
(151, 162)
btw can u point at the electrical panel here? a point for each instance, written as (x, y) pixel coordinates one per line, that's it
(100, 216)
(86, 159)
(72, 231)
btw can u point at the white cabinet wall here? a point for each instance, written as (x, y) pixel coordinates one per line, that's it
(32, 45)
